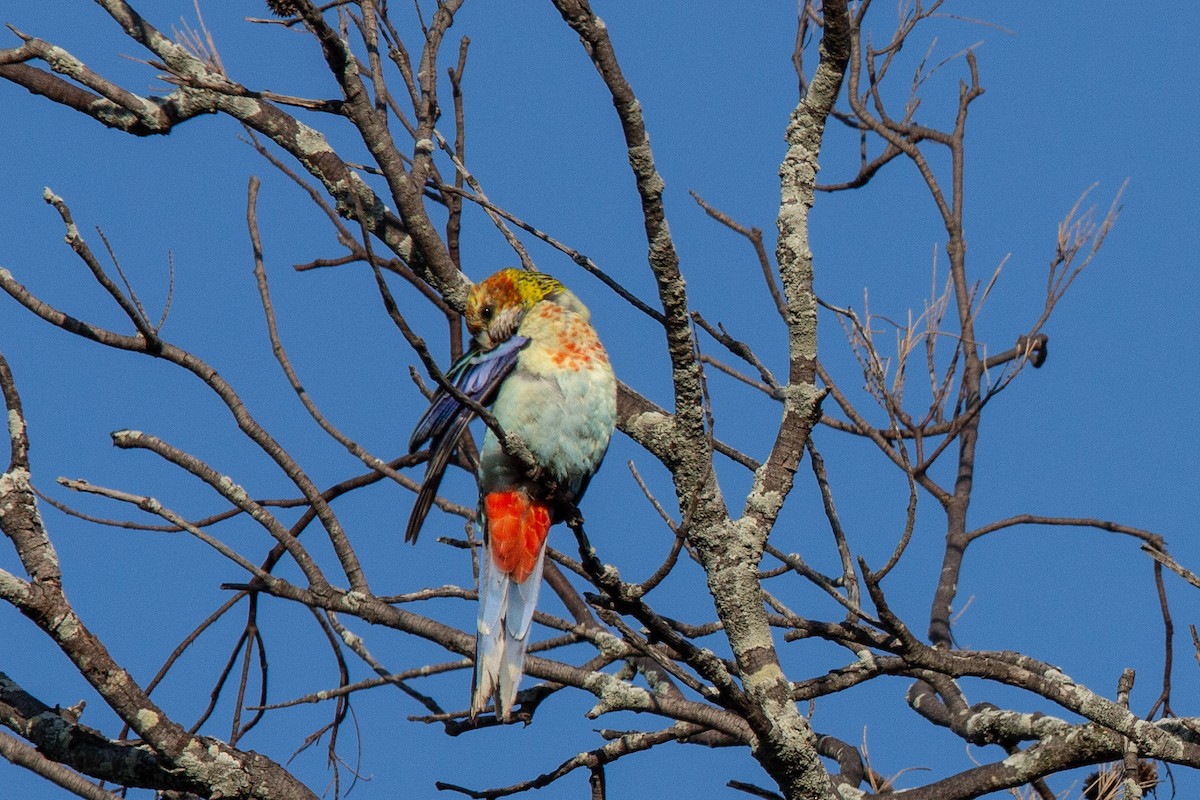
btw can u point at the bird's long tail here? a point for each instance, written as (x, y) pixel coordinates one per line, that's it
(513, 552)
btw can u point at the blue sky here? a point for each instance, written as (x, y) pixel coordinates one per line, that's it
(1092, 94)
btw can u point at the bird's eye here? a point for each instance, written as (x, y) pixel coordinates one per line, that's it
(486, 313)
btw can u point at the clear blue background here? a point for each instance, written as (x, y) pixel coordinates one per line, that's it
(1084, 93)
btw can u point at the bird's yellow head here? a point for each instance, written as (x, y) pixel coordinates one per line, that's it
(497, 304)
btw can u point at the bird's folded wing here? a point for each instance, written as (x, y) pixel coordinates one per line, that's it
(477, 374)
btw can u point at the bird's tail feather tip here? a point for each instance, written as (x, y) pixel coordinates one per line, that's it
(499, 665)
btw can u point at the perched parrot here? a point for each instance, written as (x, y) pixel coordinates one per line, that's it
(537, 361)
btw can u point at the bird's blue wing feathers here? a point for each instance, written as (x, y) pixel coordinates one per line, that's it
(477, 374)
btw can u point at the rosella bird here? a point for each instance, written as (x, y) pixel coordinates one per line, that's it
(537, 360)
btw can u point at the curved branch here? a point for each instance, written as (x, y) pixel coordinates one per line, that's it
(62, 742)
(690, 439)
(245, 422)
(1152, 539)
